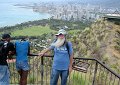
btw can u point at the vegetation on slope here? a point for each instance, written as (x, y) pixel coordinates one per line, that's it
(32, 31)
(102, 41)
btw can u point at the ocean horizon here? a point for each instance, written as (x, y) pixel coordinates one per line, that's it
(11, 15)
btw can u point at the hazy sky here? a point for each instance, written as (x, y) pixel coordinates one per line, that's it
(57, 0)
(109, 3)
(41, 0)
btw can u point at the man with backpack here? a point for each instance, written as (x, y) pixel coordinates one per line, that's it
(63, 58)
(6, 51)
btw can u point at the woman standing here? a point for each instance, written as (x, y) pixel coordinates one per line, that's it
(63, 58)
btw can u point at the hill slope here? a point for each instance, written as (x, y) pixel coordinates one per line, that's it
(101, 41)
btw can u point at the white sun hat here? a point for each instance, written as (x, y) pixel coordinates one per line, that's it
(61, 31)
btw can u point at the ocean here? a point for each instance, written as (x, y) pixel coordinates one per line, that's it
(11, 15)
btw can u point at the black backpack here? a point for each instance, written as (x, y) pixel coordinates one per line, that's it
(67, 46)
(3, 46)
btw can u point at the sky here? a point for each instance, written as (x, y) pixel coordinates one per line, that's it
(108, 3)
(59, 0)
(45, 0)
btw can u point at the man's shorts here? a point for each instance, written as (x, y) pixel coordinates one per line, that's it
(4, 75)
(22, 65)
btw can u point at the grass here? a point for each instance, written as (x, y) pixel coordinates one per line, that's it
(78, 78)
(36, 31)
(32, 31)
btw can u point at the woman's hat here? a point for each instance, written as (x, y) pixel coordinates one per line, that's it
(61, 31)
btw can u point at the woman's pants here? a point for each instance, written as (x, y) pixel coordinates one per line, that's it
(55, 76)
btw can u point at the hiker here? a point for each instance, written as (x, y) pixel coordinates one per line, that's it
(22, 47)
(63, 58)
(6, 51)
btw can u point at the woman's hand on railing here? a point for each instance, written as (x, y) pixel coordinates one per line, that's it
(40, 54)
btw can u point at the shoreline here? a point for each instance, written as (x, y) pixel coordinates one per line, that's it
(12, 15)
(27, 23)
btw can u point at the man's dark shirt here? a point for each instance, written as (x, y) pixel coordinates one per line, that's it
(5, 50)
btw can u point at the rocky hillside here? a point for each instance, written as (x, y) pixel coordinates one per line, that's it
(102, 41)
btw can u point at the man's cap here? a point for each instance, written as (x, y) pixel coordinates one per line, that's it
(4, 36)
(61, 31)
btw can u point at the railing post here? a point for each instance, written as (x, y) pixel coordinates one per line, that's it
(42, 70)
(95, 72)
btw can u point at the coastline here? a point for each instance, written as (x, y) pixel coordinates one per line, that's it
(12, 15)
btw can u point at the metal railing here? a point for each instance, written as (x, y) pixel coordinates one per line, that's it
(96, 74)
